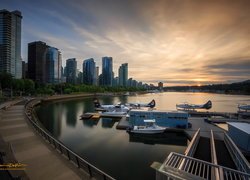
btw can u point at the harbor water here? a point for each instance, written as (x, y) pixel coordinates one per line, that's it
(114, 151)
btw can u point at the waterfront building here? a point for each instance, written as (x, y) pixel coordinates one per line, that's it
(10, 43)
(44, 63)
(116, 81)
(123, 74)
(37, 61)
(97, 75)
(107, 71)
(53, 65)
(24, 69)
(89, 72)
(174, 119)
(160, 85)
(71, 65)
(240, 134)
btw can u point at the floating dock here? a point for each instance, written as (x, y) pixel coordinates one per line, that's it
(123, 123)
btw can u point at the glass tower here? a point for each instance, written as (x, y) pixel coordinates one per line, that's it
(10, 43)
(71, 65)
(123, 74)
(107, 71)
(89, 72)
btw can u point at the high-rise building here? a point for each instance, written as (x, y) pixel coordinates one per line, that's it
(89, 72)
(53, 65)
(10, 43)
(97, 75)
(107, 71)
(44, 63)
(71, 65)
(37, 61)
(24, 69)
(123, 74)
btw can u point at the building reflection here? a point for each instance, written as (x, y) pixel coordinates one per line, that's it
(71, 113)
(90, 122)
(169, 138)
(108, 122)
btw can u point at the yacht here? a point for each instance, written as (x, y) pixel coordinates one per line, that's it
(149, 128)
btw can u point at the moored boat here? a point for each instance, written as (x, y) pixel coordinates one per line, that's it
(149, 128)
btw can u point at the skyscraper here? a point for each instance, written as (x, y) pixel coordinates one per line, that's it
(10, 43)
(53, 65)
(37, 61)
(71, 65)
(44, 63)
(107, 71)
(123, 74)
(89, 71)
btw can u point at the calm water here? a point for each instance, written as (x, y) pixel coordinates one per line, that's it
(114, 151)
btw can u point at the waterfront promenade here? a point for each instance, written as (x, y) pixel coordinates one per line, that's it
(43, 162)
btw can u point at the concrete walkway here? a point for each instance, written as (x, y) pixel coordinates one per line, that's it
(43, 162)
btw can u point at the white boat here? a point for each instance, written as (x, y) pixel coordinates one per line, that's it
(149, 128)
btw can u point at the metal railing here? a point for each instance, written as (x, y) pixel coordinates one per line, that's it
(193, 144)
(238, 158)
(76, 159)
(199, 168)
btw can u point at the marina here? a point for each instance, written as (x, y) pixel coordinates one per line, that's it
(105, 126)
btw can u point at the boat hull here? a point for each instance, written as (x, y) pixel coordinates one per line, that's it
(147, 131)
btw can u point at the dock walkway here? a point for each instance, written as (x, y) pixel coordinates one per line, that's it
(42, 161)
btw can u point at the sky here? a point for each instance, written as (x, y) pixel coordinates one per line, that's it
(178, 42)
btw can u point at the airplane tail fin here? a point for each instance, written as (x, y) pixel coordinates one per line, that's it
(151, 104)
(97, 103)
(208, 105)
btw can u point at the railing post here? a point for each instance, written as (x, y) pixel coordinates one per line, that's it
(90, 172)
(77, 161)
(60, 147)
(68, 154)
(104, 177)
(54, 143)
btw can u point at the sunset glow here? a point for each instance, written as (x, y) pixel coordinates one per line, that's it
(176, 42)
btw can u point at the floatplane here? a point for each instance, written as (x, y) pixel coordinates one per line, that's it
(244, 107)
(151, 104)
(120, 109)
(193, 107)
(117, 109)
(244, 110)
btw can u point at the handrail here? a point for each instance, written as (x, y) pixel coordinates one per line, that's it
(238, 158)
(217, 172)
(200, 168)
(79, 161)
(191, 147)
(193, 144)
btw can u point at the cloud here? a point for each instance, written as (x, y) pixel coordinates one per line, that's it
(165, 40)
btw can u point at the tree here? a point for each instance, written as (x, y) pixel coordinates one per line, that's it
(5, 80)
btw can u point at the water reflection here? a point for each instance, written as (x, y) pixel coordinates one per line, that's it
(108, 122)
(90, 122)
(169, 138)
(71, 114)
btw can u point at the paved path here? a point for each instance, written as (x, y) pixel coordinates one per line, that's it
(43, 162)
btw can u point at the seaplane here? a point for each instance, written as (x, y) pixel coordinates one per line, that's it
(244, 110)
(193, 107)
(244, 107)
(112, 110)
(151, 104)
